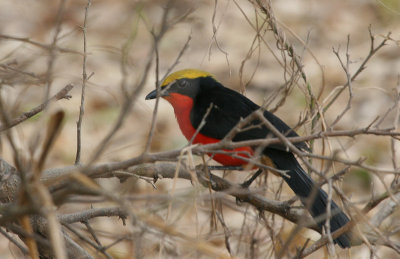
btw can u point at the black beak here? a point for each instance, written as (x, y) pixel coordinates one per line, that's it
(152, 95)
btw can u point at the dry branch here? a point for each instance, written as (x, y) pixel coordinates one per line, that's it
(62, 94)
(167, 170)
(39, 44)
(84, 81)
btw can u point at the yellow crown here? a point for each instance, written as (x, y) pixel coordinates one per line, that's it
(185, 73)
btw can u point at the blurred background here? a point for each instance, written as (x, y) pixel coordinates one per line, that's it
(222, 39)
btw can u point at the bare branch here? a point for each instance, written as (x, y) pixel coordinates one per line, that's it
(62, 94)
(84, 80)
(373, 50)
(348, 83)
(52, 54)
(167, 170)
(38, 44)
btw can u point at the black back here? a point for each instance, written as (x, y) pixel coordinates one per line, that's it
(228, 108)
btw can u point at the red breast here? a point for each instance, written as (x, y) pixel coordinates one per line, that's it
(182, 106)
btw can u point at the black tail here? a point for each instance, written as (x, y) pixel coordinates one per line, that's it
(302, 184)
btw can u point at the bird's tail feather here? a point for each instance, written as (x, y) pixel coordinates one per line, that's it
(304, 187)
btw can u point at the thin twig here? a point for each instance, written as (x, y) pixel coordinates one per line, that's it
(53, 129)
(373, 50)
(52, 54)
(62, 94)
(84, 80)
(38, 44)
(202, 123)
(158, 84)
(85, 239)
(346, 69)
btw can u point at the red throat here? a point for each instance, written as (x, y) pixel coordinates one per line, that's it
(182, 106)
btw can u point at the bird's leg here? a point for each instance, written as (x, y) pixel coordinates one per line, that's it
(247, 183)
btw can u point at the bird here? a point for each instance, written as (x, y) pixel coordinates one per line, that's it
(207, 111)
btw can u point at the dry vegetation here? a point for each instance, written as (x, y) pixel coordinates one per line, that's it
(89, 170)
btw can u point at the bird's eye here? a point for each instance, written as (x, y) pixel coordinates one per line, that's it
(183, 83)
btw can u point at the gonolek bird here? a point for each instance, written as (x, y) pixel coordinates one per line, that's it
(198, 98)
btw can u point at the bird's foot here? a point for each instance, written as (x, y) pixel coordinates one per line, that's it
(247, 183)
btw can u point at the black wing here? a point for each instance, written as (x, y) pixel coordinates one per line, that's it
(228, 108)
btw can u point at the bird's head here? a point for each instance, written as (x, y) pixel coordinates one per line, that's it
(187, 82)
